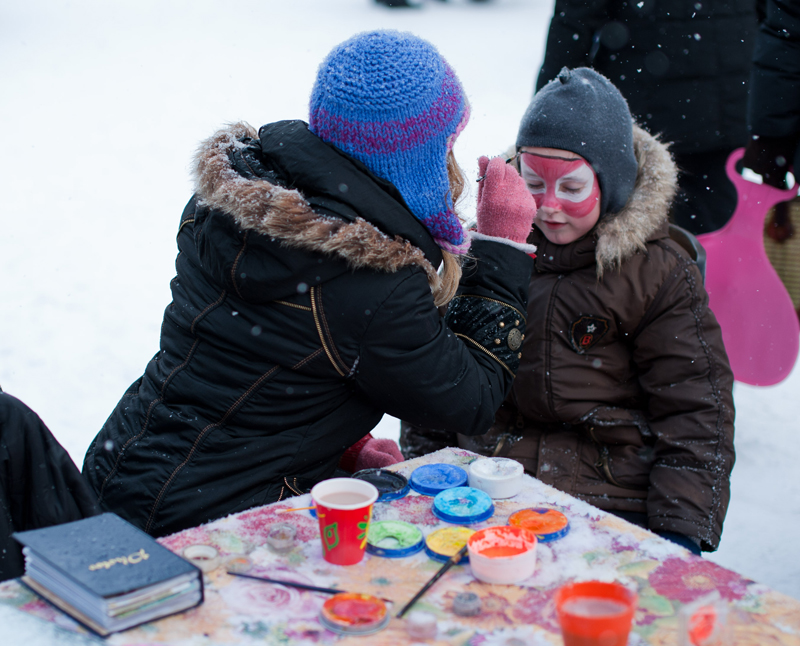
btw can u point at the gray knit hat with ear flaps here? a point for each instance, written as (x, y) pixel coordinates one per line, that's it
(583, 112)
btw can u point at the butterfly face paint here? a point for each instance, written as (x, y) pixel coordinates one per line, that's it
(566, 185)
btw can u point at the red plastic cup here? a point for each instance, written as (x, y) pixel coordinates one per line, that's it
(594, 613)
(344, 510)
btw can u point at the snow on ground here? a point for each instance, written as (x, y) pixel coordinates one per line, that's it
(102, 106)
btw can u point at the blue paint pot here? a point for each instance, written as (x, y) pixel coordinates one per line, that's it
(463, 506)
(431, 479)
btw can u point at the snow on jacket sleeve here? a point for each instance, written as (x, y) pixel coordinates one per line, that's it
(450, 374)
(684, 371)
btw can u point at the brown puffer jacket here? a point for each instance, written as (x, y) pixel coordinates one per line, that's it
(624, 394)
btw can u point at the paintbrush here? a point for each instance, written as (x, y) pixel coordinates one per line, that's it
(292, 584)
(453, 560)
(283, 511)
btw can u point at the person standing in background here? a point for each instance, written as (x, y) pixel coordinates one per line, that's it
(683, 66)
(773, 109)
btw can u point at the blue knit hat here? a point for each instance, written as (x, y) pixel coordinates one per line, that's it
(390, 100)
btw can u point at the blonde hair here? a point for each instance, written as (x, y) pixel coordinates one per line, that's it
(450, 273)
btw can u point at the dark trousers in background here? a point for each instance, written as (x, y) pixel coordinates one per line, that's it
(40, 485)
(706, 197)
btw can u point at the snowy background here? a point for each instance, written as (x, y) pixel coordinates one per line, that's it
(102, 105)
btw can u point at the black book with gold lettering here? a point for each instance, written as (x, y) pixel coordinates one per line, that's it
(108, 574)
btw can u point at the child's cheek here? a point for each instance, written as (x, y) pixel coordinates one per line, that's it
(584, 208)
(539, 199)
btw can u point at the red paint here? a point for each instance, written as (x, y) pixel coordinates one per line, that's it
(564, 185)
(601, 629)
(539, 521)
(502, 550)
(352, 609)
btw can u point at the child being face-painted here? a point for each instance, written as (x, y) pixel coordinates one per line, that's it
(623, 396)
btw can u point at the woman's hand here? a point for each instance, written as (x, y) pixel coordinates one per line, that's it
(505, 206)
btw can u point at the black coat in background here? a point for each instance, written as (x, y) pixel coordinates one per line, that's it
(683, 66)
(302, 312)
(774, 103)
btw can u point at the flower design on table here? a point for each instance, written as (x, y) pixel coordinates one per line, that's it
(412, 509)
(686, 580)
(269, 601)
(193, 536)
(537, 607)
(256, 522)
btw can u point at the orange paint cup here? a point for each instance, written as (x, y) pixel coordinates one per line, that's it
(594, 613)
(344, 511)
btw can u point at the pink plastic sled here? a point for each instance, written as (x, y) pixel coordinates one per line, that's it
(759, 324)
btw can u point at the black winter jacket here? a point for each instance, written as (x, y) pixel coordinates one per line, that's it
(683, 65)
(774, 105)
(302, 312)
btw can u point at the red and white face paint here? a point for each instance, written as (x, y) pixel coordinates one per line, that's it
(568, 185)
(566, 192)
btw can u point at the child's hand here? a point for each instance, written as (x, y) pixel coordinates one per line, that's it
(505, 206)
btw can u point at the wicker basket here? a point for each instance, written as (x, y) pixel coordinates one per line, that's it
(785, 255)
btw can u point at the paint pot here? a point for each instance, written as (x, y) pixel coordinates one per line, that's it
(548, 524)
(704, 622)
(281, 537)
(394, 539)
(446, 542)
(390, 485)
(463, 506)
(430, 479)
(467, 604)
(204, 557)
(421, 625)
(498, 477)
(350, 613)
(237, 563)
(595, 613)
(502, 554)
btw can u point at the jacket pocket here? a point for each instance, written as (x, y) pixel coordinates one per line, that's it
(622, 464)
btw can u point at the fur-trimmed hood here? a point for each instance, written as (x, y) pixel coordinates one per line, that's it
(258, 204)
(620, 235)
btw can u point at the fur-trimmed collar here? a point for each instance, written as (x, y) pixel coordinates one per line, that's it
(621, 235)
(284, 214)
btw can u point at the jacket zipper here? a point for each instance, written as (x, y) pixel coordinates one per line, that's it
(602, 461)
(315, 309)
(549, 351)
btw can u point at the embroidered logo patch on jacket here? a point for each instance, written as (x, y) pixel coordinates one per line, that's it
(586, 332)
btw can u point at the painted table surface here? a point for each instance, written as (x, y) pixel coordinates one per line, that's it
(599, 546)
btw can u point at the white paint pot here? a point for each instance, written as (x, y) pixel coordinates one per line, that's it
(502, 554)
(498, 477)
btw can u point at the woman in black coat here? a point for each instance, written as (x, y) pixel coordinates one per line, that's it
(313, 260)
(773, 113)
(683, 66)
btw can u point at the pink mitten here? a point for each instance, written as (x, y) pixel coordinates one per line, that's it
(505, 206)
(378, 453)
(370, 453)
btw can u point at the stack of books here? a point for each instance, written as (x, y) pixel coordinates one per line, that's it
(108, 574)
